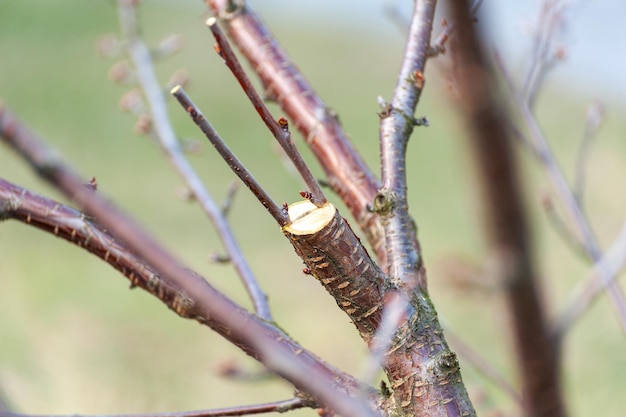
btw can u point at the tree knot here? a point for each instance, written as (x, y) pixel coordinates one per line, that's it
(384, 202)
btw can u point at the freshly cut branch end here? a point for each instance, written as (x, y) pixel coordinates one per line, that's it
(306, 218)
(334, 255)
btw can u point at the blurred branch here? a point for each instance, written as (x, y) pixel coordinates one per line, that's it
(395, 15)
(594, 119)
(243, 410)
(570, 204)
(439, 46)
(188, 294)
(481, 365)
(604, 273)
(550, 20)
(347, 173)
(544, 55)
(537, 357)
(164, 132)
(279, 129)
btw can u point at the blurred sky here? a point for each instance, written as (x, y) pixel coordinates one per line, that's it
(594, 35)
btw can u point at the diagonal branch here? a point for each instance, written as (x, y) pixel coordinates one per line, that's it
(322, 239)
(347, 173)
(575, 214)
(191, 296)
(164, 132)
(604, 273)
(506, 221)
(227, 155)
(279, 129)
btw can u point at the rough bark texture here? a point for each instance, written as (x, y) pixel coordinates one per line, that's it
(335, 256)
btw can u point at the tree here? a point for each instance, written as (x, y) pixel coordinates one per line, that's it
(384, 295)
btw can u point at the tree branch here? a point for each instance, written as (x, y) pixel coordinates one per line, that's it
(567, 198)
(241, 410)
(604, 274)
(537, 356)
(347, 173)
(279, 129)
(322, 239)
(189, 295)
(278, 213)
(396, 126)
(167, 139)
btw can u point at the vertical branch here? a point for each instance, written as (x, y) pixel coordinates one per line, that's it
(537, 356)
(164, 132)
(396, 126)
(347, 173)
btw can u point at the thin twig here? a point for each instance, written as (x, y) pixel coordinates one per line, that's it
(164, 133)
(242, 410)
(594, 119)
(279, 129)
(278, 213)
(604, 273)
(195, 298)
(538, 359)
(230, 198)
(347, 172)
(543, 57)
(561, 228)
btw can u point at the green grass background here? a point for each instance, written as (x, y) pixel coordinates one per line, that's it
(74, 339)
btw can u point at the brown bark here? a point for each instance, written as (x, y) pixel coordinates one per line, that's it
(506, 221)
(347, 173)
(335, 256)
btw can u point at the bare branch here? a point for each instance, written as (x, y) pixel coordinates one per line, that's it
(279, 129)
(396, 126)
(334, 255)
(562, 189)
(604, 273)
(191, 296)
(439, 46)
(320, 236)
(242, 410)
(235, 165)
(164, 133)
(347, 173)
(537, 355)
(594, 119)
(409, 315)
(544, 55)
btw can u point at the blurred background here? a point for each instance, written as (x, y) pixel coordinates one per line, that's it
(75, 339)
